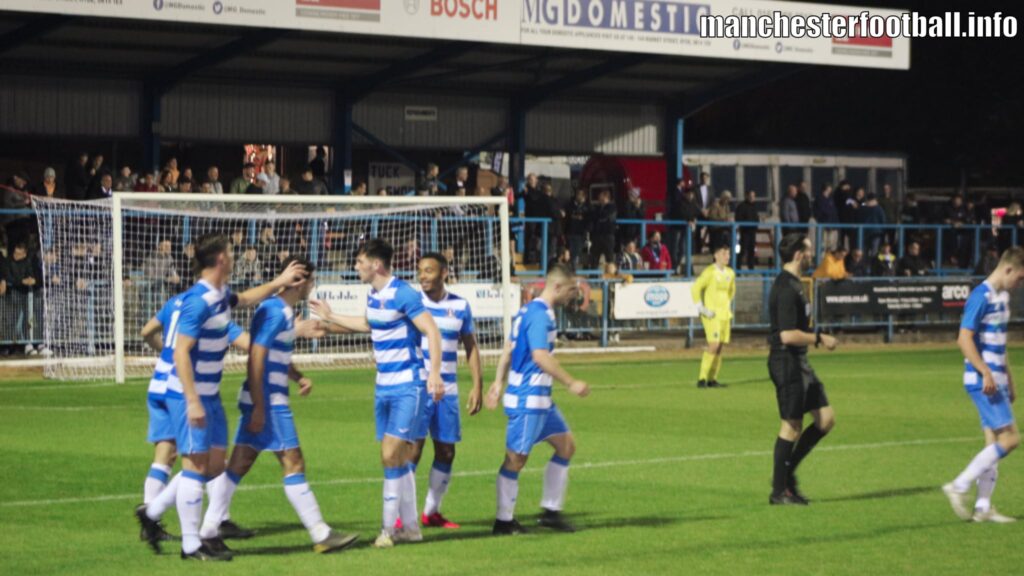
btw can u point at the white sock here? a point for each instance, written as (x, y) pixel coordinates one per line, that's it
(508, 491)
(985, 459)
(392, 496)
(156, 480)
(190, 509)
(986, 485)
(440, 476)
(165, 499)
(304, 502)
(220, 491)
(556, 479)
(407, 508)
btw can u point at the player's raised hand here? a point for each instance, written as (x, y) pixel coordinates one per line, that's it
(493, 393)
(829, 341)
(320, 308)
(196, 414)
(305, 386)
(309, 329)
(292, 276)
(988, 383)
(475, 401)
(579, 388)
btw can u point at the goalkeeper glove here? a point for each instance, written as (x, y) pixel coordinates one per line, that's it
(705, 311)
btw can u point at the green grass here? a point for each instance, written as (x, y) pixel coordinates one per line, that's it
(667, 479)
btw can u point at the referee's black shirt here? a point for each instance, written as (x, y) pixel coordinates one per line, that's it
(788, 310)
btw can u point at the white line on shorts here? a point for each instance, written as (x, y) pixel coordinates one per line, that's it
(491, 472)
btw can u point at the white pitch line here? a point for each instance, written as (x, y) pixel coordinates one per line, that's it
(491, 472)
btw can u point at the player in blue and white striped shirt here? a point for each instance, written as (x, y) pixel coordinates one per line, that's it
(454, 319)
(156, 333)
(989, 383)
(200, 338)
(397, 321)
(267, 423)
(532, 416)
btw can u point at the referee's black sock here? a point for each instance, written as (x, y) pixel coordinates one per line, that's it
(808, 440)
(783, 453)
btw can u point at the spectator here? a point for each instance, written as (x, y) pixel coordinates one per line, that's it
(611, 272)
(186, 265)
(803, 202)
(630, 258)
(848, 215)
(286, 187)
(989, 261)
(633, 210)
(747, 211)
(96, 170)
(409, 257)
(241, 184)
(76, 178)
(891, 209)
(533, 208)
(160, 267)
(146, 184)
(23, 278)
(825, 213)
(602, 230)
(833, 265)
(207, 188)
(213, 179)
(318, 165)
(357, 190)
(171, 168)
(430, 182)
(48, 187)
(186, 173)
(691, 213)
(256, 188)
(957, 243)
(885, 263)
(249, 270)
(843, 193)
(706, 198)
(857, 265)
(577, 224)
(1012, 219)
(911, 212)
(310, 186)
(105, 189)
(124, 181)
(461, 180)
(167, 182)
(656, 255)
(501, 188)
(563, 256)
(19, 227)
(872, 217)
(912, 264)
(185, 185)
(454, 266)
(721, 212)
(382, 192)
(788, 212)
(270, 178)
(679, 208)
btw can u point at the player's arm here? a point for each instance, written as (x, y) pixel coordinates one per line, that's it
(255, 370)
(424, 322)
(239, 338)
(552, 367)
(305, 384)
(732, 288)
(336, 323)
(974, 313)
(293, 275)
(498, 386)
(791, 336)
(151, 334)
(183, 365)
(1009, 381)
(475, 371)
(698, 294)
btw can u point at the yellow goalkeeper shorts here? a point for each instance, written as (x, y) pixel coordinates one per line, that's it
(716, 330)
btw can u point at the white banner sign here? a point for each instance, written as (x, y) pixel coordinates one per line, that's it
(484, 299)
(667, 27)
(654, 300)
(397, 178)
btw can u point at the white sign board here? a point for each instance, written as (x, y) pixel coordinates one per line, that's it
(484, 299)
(391, 175)
(668, 27)
(344, 299)
(642, 300)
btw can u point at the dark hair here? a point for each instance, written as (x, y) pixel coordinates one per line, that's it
(437, 257)
(560, 269)
(248, 165)
(208, 248)
(379, 249)
(790, 245)
(302, 260)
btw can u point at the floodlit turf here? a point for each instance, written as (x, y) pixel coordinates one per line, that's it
(667, 479)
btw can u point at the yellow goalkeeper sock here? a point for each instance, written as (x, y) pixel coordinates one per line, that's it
(716, 366)
(705, 365)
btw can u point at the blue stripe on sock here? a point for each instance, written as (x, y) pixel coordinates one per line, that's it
(1000, 451)
(194, 476)
(295, 479)
(159, 475)
(395, 473)
(559, 461)
(234, 477)
(442, 467)
(508, 474)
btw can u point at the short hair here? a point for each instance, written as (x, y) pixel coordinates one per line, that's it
(1014, 256)
(560, 270)
(437, 257)
(379, 249)
(248, 165)
(208, 248)
(790, 245)
(302, 260)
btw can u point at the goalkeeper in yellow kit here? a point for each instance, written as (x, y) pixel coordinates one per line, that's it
(713, 293)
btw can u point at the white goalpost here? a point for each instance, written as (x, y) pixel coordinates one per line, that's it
(110, 265)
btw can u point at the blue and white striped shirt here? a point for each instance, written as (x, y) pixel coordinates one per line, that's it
(273, 327)
(396, 340)
(169, 316)
(454, 319)
(529, 388)
(987, 314)
(205, 316)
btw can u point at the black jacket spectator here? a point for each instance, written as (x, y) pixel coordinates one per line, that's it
(911, 265)
(17, 272)
(76, 178)
(825, 210)
(577, 218)
(635, 209)
(803, 207)
(747, 212)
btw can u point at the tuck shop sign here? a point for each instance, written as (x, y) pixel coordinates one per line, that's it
(654, 300)
(397, 178)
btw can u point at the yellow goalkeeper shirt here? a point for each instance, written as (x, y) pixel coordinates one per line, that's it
(715, 288)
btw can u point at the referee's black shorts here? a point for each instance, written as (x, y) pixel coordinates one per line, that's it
(797, 388)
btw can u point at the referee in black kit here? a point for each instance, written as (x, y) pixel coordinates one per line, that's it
(797, 388)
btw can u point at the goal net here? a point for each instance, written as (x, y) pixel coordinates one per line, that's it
(110, 265)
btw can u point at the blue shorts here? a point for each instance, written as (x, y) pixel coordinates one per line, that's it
(442, 420)
(161, 427)
(994, 410)
(526, 430)
(399, 413)
(192, 440)
(278, 432)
